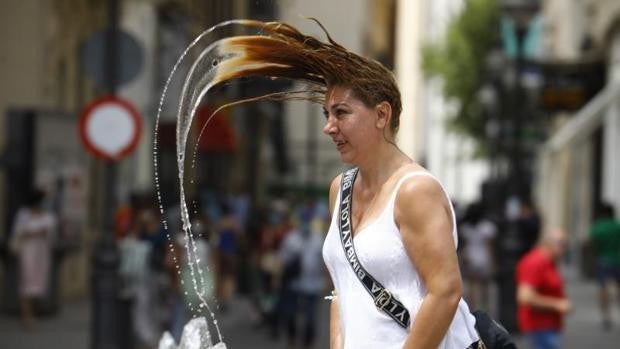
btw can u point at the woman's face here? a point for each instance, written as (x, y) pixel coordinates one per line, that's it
(352, 125)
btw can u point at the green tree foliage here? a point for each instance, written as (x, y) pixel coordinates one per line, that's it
(459, 60)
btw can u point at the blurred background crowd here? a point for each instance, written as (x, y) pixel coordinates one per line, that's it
(512, 104)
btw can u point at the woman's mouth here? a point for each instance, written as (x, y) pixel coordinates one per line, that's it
(340, 144)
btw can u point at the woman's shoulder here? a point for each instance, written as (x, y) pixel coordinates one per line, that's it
(334, 187)
(417, 187)
(415, 179)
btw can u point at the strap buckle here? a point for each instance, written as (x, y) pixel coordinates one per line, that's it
(384, 298)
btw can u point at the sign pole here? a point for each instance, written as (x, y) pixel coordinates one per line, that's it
(106, 260)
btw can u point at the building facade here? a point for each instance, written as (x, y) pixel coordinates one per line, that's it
(45, 81)
(579, 165)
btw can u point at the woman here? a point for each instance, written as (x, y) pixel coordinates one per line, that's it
(31, 241)
(404, 235)
(402, 219)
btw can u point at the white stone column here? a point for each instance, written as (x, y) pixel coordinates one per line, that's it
(408, 74)
(611, 160)
(611, 132)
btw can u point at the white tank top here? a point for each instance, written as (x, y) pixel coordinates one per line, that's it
(381, 251)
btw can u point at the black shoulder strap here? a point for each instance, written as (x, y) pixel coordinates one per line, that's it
(383, 299)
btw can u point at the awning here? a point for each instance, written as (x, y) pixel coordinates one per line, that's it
(585, 121)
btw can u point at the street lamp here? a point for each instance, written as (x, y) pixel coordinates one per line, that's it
(521, 11)
(519, 14)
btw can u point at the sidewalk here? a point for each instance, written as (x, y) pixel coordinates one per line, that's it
(584, 326)
(240, 333)
(70, 328)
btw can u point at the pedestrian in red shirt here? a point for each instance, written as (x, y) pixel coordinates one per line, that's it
(540, 292)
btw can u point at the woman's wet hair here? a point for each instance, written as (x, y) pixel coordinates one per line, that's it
(281, 51)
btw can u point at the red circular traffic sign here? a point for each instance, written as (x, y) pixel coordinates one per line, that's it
(110, 128)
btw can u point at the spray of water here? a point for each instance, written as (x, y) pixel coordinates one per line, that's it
(286, 53)
(197, 83)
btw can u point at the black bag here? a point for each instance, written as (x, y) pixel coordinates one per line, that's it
(492, 334)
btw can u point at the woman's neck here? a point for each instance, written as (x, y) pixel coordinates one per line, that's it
(381, 165)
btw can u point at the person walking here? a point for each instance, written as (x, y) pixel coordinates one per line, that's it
(478, 258)
(227, 232)
(605, 236)
(138, 284)
(542, 303)
(302, 280)
(31, 240)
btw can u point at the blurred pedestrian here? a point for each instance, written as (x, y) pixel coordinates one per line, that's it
(281, 220)
(32, 240)
(605, 236)
(126, 216)
(303, 279)
(266, 257)
(137, 279)
(227, 231)
(478, 234)
(151, 230)
(542, 303)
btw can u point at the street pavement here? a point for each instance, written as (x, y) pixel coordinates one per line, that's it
(69, 328)
(240, 332)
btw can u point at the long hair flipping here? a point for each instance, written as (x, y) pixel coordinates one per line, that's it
(281, 51)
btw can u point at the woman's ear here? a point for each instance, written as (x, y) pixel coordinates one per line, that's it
(384, 114)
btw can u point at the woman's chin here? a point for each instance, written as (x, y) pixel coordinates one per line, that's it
(347, 158)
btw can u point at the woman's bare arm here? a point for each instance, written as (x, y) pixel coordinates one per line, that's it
(425, 223)
(335, 333)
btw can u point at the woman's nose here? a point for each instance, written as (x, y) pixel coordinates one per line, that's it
(329, 127)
